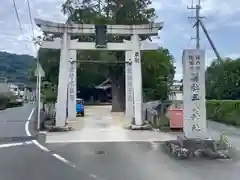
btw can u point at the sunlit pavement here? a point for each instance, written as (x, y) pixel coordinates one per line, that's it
(100, 125)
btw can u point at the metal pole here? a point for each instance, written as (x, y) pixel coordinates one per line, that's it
(39, 100)
(38, 93)
(197, 27)
(197, 18)
(210, 41)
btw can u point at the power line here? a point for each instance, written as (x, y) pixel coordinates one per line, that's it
(18, 19)
(17, 14)
(30, 16)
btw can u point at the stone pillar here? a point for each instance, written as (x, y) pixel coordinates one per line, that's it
(194, 93)
(61, 106)
(128, 87)
(72, 93)
(137, 80)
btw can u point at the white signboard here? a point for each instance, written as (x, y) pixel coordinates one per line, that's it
(194, 93)
(129, 86)
(39, 71)
(72, 85)
(72, 72)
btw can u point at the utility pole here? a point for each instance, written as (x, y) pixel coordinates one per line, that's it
(197, 25)
(6, 80)
(99, 7)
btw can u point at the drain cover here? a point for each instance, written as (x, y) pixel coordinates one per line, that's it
(100, 152)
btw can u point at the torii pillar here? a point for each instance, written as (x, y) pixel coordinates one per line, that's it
(145, 45)
(63, 79)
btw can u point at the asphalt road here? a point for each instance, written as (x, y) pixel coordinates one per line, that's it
(99, 160)
(12, 121)
(141, 161)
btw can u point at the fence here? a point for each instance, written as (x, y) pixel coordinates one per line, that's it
(158, 115)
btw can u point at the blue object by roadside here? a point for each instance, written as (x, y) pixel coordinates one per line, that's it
(80, 107)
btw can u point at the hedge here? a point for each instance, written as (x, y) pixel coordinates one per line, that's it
(8, 102)
(3, 101)
(224, 111)
(12, 104)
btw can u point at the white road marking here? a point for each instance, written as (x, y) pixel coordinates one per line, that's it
(154, 145)
(11, 144)
(30, 116)
(96, 177)
(26, 129)
(40, 146)
(28, 142)
(29, 134)
(62, 159)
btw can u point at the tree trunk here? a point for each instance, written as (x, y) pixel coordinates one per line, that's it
(118, 85)
(118, 95)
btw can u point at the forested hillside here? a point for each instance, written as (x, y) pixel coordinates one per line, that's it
(14, 67)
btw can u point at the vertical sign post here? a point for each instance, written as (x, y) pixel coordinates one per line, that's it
(39, 73)
(194, 93)
(128, 86)
(72, 85)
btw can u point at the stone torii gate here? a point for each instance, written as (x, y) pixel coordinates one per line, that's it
(68, 52)
(144, 46)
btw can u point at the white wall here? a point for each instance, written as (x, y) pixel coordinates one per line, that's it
(178, 95)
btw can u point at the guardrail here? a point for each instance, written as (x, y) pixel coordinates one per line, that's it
(152, 116)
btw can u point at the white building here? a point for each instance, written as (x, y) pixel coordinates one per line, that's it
(14, 89)
(176, 91)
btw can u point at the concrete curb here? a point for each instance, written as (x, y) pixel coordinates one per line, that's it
(136, 127)
(41, 137)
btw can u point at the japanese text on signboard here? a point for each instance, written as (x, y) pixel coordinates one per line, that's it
(129, 83)
(195, 68)
(71, 82)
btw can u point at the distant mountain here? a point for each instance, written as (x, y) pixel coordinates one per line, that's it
(15, 68)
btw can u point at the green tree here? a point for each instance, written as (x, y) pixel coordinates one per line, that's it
(49, 60)
(158, 74)
(223, 79)
(88, 75)
(112, 12)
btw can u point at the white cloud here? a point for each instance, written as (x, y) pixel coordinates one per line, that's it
(216, 7)
(10, 33)
(221, 7)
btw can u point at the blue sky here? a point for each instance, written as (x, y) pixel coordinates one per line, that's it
(222, 21)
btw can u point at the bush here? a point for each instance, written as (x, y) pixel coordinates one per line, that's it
(224, 111)
(4, 100)
(49, 96)
(12, 104)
